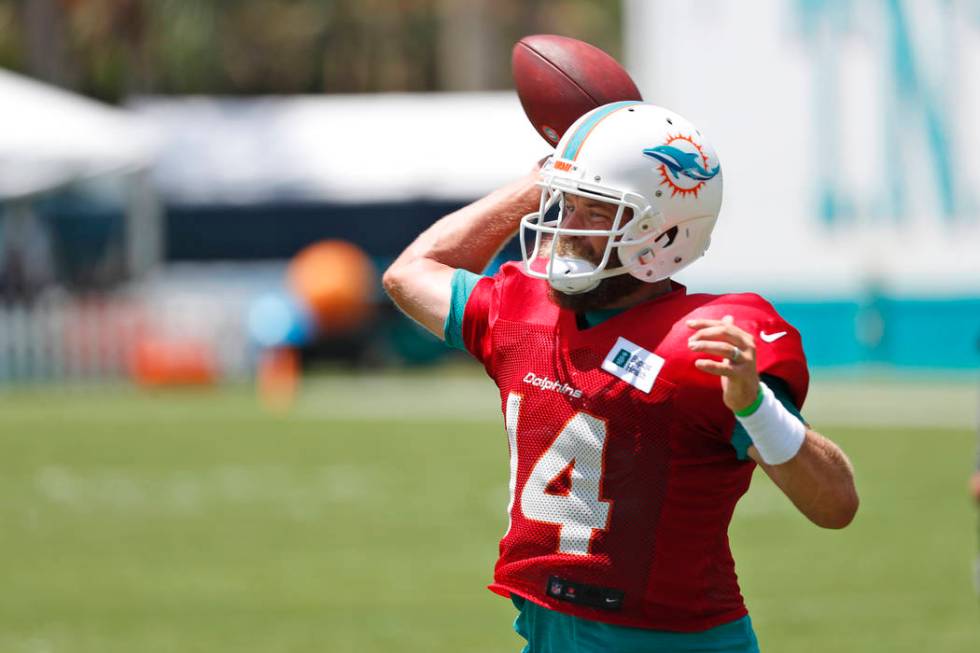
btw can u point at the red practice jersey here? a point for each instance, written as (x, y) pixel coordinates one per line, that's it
(623, 478)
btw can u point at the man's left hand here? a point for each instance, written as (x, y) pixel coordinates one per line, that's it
(736, 349)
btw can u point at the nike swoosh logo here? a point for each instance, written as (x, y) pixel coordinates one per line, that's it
(771, 337)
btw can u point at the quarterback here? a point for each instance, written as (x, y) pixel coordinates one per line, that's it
(635, 410)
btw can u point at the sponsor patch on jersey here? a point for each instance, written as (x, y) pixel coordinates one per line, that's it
(633, 364)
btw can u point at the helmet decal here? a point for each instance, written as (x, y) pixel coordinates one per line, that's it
(683, 165)
(574, 145)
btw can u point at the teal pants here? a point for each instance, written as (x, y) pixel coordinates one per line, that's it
(547, 631)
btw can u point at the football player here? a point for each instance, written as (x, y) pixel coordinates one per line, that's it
(636, 411)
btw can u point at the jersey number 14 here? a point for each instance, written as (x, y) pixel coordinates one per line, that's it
(578, 451)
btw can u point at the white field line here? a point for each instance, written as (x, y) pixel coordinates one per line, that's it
(463, 397)
(304, 496)
(920, 404)
(426, 396)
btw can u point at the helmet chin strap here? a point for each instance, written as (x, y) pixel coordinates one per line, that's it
(561, 267)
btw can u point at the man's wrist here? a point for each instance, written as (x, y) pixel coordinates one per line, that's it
(775, 432)
(754, 406)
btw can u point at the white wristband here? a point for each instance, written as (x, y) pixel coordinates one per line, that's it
(776, 433)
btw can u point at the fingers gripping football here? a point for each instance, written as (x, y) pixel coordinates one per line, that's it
(736, 350)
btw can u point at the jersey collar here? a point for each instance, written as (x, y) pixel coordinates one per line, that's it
(595, 318)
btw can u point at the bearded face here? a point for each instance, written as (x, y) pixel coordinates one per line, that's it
(608, 292)
(583, 213)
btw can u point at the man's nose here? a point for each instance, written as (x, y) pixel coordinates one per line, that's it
(571, 220)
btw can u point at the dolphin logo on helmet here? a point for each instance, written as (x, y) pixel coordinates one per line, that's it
(680, 162)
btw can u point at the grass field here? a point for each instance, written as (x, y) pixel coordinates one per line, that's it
(367, 520)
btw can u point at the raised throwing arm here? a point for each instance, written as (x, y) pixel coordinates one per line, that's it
(419, 281)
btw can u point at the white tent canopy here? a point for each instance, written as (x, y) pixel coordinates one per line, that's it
(348, 148)
(51, 137)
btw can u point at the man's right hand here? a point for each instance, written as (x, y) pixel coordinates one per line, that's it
(975, 486)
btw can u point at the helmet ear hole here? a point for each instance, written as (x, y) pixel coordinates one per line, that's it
(670, 235)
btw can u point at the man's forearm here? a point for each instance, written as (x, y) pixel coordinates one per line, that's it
(420, 279)
(819, 480)
(470, 237)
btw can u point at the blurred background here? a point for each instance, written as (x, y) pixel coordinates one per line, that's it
(217, 434)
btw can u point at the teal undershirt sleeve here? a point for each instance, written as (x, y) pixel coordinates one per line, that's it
(464, 281)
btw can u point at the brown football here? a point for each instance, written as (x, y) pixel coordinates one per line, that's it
(558, 79)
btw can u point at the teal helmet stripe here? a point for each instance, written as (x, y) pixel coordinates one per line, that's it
(578, 138)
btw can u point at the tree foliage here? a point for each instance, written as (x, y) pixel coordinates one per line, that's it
(114, 48)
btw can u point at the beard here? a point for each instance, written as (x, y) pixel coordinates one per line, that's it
(609, 290)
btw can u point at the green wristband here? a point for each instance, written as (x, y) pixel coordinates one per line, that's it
(754, 406)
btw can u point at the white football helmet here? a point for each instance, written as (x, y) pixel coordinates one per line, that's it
(632, 155)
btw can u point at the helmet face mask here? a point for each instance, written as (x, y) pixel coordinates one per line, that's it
(650, 164)
(574, 274)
